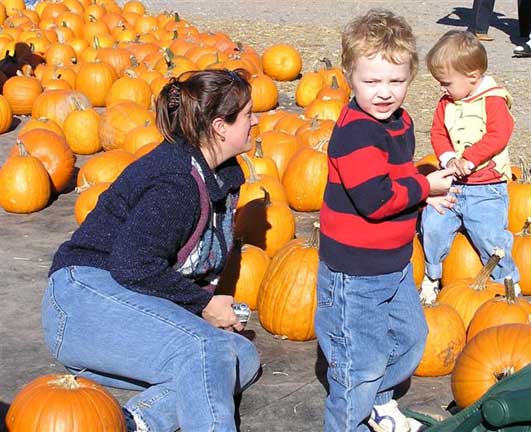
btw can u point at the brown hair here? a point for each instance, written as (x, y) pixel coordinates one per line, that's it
(459, 50)
(379, 31)
(186, 107)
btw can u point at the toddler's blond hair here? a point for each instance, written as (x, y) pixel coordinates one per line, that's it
(379, 31)
(458, 50)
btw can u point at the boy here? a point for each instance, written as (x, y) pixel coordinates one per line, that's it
(369, 321)
(470, 132)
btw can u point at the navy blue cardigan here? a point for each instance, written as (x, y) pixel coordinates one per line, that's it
(144, 218)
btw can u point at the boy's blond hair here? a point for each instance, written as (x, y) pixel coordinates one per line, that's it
(458, 50)
(379, 31)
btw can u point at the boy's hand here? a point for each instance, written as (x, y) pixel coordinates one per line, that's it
(441, 202)
(461, 166)
(441, 181)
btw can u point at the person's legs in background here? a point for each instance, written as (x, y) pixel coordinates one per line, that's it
(481, 15)
(524, 23)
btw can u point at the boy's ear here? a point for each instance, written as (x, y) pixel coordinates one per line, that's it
(474, 76)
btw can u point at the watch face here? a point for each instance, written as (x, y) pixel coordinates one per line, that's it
(242, 311)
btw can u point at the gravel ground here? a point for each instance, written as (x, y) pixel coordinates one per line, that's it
(314, 27)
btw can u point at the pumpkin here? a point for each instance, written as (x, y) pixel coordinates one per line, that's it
(461, 262)
(24, 183)
(282, 62)
(118, 120)
(129, 88)
(287, 299)
(53, 152)
(418, 262)
(140, 136)
(334, 92)
(57, 104)
(95, 79)
(427, 164)
(500, 310)
(262, 164)
(493, 354)
(243, 273)
(467, 295)
(264, 93)
(328, 72)
(6, 115)
(104, 167)
(305, 178)
(446, 339)
(21, 92)
(266, 224)
(81, 131)
(522, 256)
(254, 185)
(290, 123)
(87, 199)
(280, 147)
(308, 87)
(325, 108)
(316, 131)
(145, 149)
(519, 200)
(41, 123)
(268, 120)
(64, 403)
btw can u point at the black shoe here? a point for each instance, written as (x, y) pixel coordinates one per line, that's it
(522, 51)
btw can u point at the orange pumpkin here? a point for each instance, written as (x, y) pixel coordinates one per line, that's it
(427, 164)
(282, 62)
(53, 152)
(266, 224)
(308, 88)
(287, 298)
(95, 80)
(41, 123)
(64, 403)
(280, 147)
(264, 93)
(141, 136)
(81, 131)
(522, 256)
(268, 120)
(467, 295)
(6, 115)
(446, 339)
(328, 72)
(325, 108)
(24, 183)
(519, 200)
(21, 92)
(129, 88)
(418, 262)
(104, 167)
(500, 310)
(87, 199)
(57, 104)
(461, 262)
(305, 178)
(316, 131)
(489, 357)
(262, 164)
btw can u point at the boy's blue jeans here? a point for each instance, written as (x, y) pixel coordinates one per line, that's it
(186, 369)
(372, 332)
(482, 210)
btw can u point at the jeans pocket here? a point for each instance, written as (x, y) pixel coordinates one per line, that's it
(53, 321)
(326, 283)
(338, 366)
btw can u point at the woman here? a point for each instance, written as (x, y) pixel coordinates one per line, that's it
(130, 301)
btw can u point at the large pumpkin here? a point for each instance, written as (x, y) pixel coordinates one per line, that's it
(81, 131)
(266, 224)
(288, 295)
(519, 200)
(87, 199)
(118, 120)
(467, 295)
(446, 339)
(21, 92)
(57, 104)
(418, 262)
(24, 183)
(54, 153)
(64, 403)
(104, 167)
(500, 310)
(6, 115)
(462, 261)
(95, 80)
(489, 357)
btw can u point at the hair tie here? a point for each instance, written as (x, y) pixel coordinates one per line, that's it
(234, 76)
(174, 96)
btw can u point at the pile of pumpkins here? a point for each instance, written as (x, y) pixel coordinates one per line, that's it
(88, 72)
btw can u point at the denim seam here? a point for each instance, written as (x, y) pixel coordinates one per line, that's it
(132, 306)
(62, 323)
(348, 343)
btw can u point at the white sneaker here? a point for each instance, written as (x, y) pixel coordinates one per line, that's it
(429, 290)
(388, 418)
(517, 290)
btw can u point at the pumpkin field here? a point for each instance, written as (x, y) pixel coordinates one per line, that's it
(79, 79)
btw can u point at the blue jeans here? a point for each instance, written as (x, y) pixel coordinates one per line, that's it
(186, 369)
(482, 11)
(372, 332)
(482, 211)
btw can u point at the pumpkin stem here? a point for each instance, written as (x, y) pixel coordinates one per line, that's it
(526, 177)
(480, 282)
(267, 197)
(327, 62)
(68, 382)
(320, 144)
(253, 177)
(22, 151)
(510, 296)
(258, 151)
(526, 230)
(335, 84)
(313, 240)
(504, 373)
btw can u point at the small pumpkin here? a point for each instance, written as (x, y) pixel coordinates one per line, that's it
(64, 403)
(522, 256)
(21, 92)
(87, 199)
(81, 131)
(264, 93)
(519, 199)
(282, 62)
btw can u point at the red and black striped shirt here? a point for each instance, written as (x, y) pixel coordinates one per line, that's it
(372, 195)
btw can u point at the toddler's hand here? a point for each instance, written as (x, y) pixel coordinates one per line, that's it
(461, 166)
(441, 202)
(440, 181)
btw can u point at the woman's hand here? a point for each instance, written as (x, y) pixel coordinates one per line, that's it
(219, 313)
